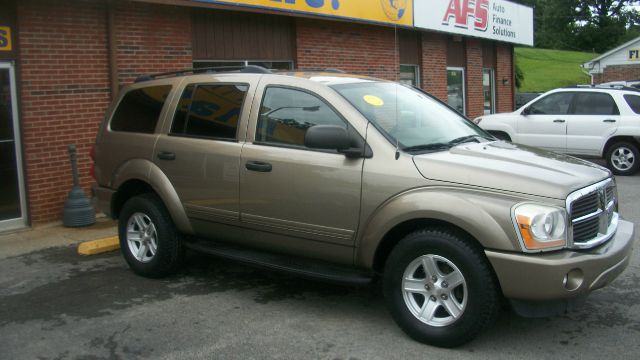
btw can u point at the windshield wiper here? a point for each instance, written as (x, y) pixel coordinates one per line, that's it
(426, 147)
(466, 139)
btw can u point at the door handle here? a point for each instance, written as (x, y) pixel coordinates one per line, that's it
(558, 121)
(609, 120)
(166, 155)
(258, 166)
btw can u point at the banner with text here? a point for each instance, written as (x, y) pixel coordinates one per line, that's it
(490, 19)
(398, 12)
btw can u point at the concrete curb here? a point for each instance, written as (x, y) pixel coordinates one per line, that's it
(99, 246)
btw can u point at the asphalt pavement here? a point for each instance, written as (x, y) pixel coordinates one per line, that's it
(55, 304)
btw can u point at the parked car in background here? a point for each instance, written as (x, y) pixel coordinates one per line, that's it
(588, 121)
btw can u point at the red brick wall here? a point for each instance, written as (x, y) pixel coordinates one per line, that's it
(64, 91)
(504, 71)
(434, 65)
(359, 49)
(151, 39)
(618, 73)
(475, 99)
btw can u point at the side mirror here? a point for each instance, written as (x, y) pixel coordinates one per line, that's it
(527, 111)
(327, 137)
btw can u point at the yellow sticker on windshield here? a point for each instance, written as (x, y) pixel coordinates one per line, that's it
(373, 100)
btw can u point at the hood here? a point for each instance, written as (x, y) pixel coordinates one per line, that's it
(511, 167)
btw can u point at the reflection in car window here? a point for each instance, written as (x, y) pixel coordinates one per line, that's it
(554, 104)
(592, 103)
(408, 117)
(634, 102)
(210, 111)
(286, 114)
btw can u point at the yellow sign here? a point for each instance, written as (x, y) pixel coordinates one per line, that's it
(373, 100)
(398, 12)
(5, 38)
(634, 54)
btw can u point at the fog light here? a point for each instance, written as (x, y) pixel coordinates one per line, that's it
(573, 280)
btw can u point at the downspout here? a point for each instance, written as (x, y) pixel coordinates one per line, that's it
(113, 51)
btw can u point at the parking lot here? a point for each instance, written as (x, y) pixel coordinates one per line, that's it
(55, 304)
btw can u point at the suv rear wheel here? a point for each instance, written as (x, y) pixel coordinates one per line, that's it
(622, 158)
(149, 240)
(440, 288)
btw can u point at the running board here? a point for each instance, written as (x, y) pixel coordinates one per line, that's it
(303, 267)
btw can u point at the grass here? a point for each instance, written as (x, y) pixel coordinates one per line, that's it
(549, 69)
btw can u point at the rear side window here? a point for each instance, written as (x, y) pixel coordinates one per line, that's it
(140, 109)
(209, 111)
(595, 104)
(286, 114)
(554, 104)
(634, 102)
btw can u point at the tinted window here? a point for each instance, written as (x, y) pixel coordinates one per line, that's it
(634, 102)
(286, 115)
(140, 109)
(554, 104)
(210, 111)
(595, 104)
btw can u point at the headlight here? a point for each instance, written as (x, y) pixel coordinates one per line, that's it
(540, 227)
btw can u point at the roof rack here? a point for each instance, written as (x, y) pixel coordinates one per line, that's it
(248, 69)
(608, 87)
(329, 70)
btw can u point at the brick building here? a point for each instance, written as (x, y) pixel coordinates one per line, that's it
(619, 64)
(62, 61)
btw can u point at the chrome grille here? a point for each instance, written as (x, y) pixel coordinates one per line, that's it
(593, 214)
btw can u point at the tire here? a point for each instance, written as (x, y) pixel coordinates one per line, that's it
(146, 217)
(623, 158)
(475, 294)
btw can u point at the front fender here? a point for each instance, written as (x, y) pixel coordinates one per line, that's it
(483, 214)
(145, 170)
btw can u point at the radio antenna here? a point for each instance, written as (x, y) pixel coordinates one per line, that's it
(397, 71)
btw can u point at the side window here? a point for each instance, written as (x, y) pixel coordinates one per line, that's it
(554, 104)
(595, 104)
(209, 110)
(634, 102)
(140, 109)
(286, 114)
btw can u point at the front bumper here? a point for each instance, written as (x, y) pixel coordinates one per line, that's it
(563, 274)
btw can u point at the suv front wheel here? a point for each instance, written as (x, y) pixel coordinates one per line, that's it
(622, 158)
(440, 288)
(149, 240)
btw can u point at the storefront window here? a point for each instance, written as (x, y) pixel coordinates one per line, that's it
(455, 89)
(277, 65)
(409, 75)
(488, 90)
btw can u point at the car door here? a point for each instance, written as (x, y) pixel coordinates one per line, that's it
(292, 198)
(595, 117)
(544, 123)
(200, 148)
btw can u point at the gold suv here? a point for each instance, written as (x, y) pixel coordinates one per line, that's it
(350, 179)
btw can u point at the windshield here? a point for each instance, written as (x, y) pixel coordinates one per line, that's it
(410, 118)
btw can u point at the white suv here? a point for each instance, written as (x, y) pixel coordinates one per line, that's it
(588, 121)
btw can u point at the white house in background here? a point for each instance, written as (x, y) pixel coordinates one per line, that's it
(619, 64)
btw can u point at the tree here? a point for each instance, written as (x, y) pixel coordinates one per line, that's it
(603, 23)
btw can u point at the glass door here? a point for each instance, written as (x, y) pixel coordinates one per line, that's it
(455, 89)
(12, 199)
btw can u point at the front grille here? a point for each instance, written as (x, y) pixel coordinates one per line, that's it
(592, 211)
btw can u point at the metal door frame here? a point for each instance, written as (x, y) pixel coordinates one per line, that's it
(21, 221)
(464, 86)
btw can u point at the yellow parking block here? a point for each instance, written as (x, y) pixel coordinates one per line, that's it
(99, 246)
